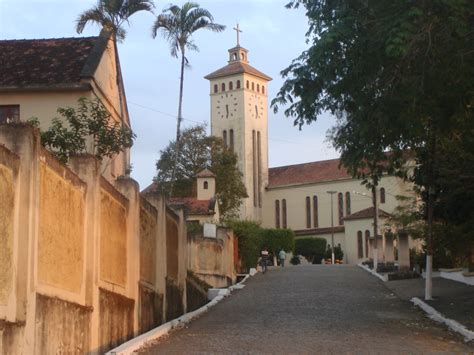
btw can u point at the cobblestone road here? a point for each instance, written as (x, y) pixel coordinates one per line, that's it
(312, 309)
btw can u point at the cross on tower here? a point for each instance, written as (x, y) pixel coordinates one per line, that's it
(238, 30)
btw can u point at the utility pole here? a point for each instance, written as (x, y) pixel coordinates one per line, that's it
(332, 226)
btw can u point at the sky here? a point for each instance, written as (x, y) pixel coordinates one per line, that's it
(273, 35)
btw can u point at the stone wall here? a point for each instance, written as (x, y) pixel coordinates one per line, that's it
(83, 263)
(213, 259)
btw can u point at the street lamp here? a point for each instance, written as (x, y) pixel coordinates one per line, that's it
(376, 220)
(332, 227)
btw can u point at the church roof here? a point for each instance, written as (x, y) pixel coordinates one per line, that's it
(193, 206)
(49, 63)
(206, 173)
(366, 213)
(307, 173)
(237, 67)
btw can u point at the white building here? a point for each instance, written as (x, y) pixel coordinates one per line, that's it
(293, 196)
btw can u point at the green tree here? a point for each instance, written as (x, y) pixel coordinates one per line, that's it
(396, 81)
(177, 25)
(112, 14)
(91, 121)
(276, 239)
(199, 151)
(249, 235)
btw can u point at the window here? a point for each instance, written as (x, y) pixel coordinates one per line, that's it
(216, 88)
(315, 211)
(9, 113)
(367, 242)
(205, 185)
(226, 111)
(258, 87)
(247, 84)
(340, 204)
(277, 214)
(238, 84)
(231, 85)
(231, 139)
(283, 211)
(308, 212)
(253, 86)
(224, 138)
(348, 203)
(382, 195)
(263, 89)
(360, 245)
(223, 86)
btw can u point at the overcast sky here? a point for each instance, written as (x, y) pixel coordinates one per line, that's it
(272, 34)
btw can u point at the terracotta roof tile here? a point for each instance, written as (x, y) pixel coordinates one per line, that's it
(194, 206)
(366, 213)
(205, 173)
(313, 172)
(237, 68)
(44, 62)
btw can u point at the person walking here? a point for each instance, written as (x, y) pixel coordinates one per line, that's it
(264, 260)
(282, 257)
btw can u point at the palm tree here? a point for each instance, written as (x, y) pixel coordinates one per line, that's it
(111, 15)
(177, 25)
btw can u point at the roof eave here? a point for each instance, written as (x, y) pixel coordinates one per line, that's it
(55, 87)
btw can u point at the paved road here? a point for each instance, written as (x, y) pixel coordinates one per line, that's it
(312, 309)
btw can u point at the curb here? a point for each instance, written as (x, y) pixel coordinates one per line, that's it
(141, 340)
(438, 317)
(384, 278)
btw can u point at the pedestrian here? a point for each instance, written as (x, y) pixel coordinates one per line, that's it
(282, 257)
(265, 255)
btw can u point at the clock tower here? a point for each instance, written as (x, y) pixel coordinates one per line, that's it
(239, 115)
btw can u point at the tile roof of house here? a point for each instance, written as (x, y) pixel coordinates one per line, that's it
(49, 63)
(205, 174)
(194, 206)
(366, 213)
(237, 68)
(313, 172)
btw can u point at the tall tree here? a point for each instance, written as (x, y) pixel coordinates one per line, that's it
(198, 152)
(177, 25)
(112, 14)
(399, 72)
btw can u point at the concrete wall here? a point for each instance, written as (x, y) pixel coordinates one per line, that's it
(83, 263)
(212, 259)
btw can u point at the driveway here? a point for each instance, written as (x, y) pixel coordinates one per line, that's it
(312, 309)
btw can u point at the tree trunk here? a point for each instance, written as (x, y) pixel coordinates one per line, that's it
(179, 119)
(376, 221)
(430, 211)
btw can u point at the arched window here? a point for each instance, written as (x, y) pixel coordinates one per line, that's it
(315, 211)
(360, 245)
(258, 87)
(283, 212)
(205, 185)
(263, 89)
(234, 56)
(231, 85)
(238, 84)
(253, 86)
(340, 204)
(367, 242)
(223, 87)
(231, 139)
(382, 195)
(348, 203)
(224, 138)
(277, 214)
(308, 212)
(247, 84)
(216, 88)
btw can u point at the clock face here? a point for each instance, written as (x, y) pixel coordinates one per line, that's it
(226, 106)
(255, 106)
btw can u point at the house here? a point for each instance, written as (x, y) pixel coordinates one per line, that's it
(38, 76)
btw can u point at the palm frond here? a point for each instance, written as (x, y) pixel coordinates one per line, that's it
(94, 15)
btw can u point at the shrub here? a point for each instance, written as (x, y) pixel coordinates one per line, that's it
(311, 248)
(276, 239)
(249, 238)
(295, 260)
(338, 253)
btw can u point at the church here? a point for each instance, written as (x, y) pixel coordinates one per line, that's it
(315, 199)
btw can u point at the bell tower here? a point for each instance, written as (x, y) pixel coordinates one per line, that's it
(239, 115)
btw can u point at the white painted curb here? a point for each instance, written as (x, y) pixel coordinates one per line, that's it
(138, 342)
(384, 278)
(438, 317)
